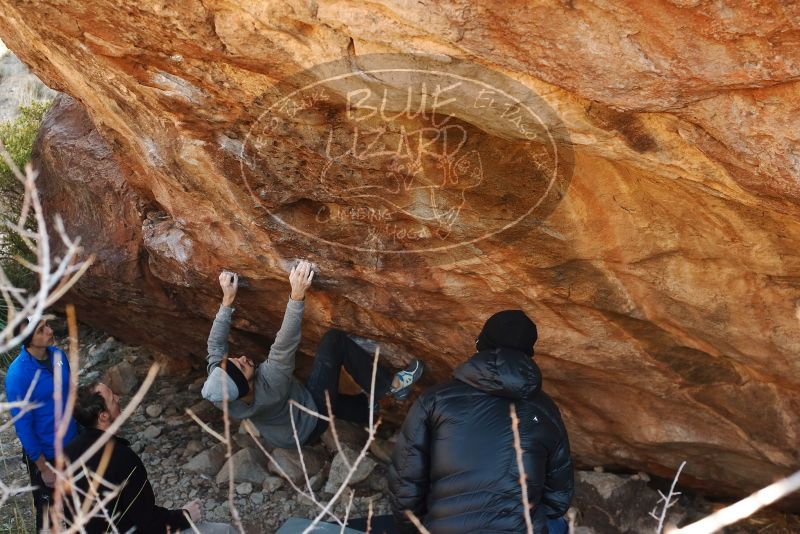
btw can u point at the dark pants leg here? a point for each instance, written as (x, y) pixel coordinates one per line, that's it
(42, 495)
(381, 524)
(337, 350)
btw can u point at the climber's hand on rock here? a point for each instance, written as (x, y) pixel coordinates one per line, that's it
(194, 511)
(300, 279)
(229, 282)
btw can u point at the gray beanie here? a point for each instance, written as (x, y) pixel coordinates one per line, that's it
(217, 379)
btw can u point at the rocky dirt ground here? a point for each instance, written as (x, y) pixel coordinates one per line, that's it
(184, 462)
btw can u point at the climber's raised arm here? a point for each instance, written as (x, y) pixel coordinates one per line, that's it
(282, 353)
(218, 338)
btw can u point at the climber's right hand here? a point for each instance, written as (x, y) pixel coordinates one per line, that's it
(229, 282)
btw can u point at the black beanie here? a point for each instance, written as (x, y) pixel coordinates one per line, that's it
(238, 378)
(510, 329)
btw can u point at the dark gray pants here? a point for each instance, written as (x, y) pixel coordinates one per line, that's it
(337, 350)
(42, 495)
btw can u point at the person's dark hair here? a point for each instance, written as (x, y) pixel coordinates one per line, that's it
(88, 405)
(237, 376)
(18, 330)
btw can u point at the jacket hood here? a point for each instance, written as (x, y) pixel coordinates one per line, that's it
(502, 372)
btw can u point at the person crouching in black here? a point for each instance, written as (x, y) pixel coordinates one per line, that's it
(134, 507)
(454, 465)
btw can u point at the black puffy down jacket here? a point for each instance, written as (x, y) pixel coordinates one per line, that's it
(454, 464)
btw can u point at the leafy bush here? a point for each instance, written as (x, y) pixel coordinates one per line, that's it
(18, 137)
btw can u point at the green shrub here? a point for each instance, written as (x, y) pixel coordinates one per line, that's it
(18, 137)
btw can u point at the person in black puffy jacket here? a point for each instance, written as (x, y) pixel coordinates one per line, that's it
(454, 465)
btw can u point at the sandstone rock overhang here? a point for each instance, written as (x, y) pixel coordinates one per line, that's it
(663, 273)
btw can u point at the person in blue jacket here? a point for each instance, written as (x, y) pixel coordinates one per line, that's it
(35, 370)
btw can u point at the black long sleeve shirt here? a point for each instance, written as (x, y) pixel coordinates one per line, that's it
(135, 505)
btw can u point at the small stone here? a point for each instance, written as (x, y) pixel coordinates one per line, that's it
(350, 435)
(378, 483)
(208, 462)
(203, 409)
(176, 421)
(248, 466)
(167, 504)
(382, 450)
(193, 447)
(197, 385)
(137, 447)
(100, 353)
(121, 378)
(245, 488)
(598, 469)
(210, 505)
(272, 484)
(339, 470)
(317, 481)
(245, 424)
(257, 498)
(151, 432)
(289, 461)
(153, 410)
(244, 441)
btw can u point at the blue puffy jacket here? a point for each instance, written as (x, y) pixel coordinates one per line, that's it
(36, 429)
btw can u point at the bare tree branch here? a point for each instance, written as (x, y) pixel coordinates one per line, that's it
(55, 275)
(744, 508)
(667, 500)
(523, 478)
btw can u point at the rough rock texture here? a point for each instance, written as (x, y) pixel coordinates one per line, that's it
(662, 267)
(629, 499)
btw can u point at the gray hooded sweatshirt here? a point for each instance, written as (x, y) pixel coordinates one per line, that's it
(274, 383)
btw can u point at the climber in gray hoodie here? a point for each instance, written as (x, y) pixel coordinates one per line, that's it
(262, 392)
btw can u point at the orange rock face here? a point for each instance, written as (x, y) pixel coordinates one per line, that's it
(627, 173)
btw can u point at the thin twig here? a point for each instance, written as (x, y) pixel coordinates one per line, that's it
(237, 521)
(744, 508)
(300, 451)
(417, 523)
(523, 479)
(65, 419)
(54, 281)
(250, 429)
(204, 426)
(373, 427)
(347, 511)
(309, 411)
(667, 500)
(335, 434)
